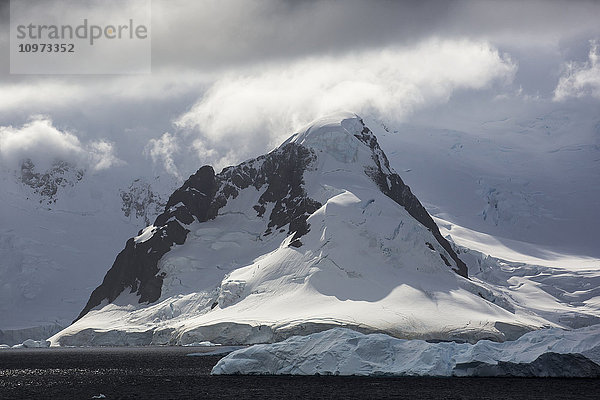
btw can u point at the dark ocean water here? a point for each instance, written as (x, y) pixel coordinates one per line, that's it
(168, 373)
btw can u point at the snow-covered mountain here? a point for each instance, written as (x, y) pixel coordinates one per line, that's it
(62, 224)
(320, 232)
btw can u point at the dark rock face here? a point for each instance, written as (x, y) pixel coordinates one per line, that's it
(140, 201)
(195, 199)
(279, 173)
(284, 179)
(136, 267)
(47, 184)
(552, 365)
(392, 186)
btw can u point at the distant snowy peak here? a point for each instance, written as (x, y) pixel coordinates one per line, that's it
(50, 185)
(280, 191)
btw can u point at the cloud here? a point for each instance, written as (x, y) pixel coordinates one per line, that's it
(234, 32)
(101, 155)
(162, 151)
(43, 143)
(581, 79)
(57, 93)
(256, 110)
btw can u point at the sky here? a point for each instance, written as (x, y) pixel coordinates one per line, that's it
(232, 79)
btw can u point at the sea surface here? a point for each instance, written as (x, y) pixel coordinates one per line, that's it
(169, 373)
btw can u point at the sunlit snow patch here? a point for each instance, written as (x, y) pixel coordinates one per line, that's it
(146, 234)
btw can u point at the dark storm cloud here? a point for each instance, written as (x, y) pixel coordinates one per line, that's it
(217, 33)
(212, 34)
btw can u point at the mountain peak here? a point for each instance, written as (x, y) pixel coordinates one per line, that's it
(336, 134)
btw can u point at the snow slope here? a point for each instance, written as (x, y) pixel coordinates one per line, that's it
(345, 352)
(564, 289)
(58, 232)
(518, 196)
(365, 263)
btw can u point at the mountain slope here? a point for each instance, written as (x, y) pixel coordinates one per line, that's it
(318, 233)
(200, 199)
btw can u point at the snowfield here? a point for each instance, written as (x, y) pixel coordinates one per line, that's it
(342, 351)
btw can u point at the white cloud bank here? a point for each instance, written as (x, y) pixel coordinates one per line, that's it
(43, 143)
(581, 79)
(256, 110)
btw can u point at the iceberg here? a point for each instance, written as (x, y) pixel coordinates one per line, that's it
(341, 351)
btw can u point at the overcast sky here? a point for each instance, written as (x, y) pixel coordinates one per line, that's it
(250, 72)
